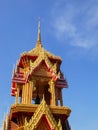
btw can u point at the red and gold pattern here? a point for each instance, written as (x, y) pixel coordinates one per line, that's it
(37, 84)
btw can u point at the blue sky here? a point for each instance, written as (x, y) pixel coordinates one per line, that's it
(69, 28)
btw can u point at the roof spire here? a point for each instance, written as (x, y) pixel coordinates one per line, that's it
(39, 35)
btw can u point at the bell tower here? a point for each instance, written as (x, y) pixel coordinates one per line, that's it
(37, 84)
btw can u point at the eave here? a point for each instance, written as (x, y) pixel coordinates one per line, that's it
(30, 108)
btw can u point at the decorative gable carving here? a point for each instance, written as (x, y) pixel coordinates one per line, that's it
(42, 72)
(43, 112)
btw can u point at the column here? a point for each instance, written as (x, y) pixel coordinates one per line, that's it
(53, 93)
(56, 95)
(27, 92)
(17, 95)
(33, 84)
(23, 94)
(61, 100)
(30, 92)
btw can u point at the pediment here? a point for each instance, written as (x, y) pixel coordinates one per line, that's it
(43, 119)
(43, 124)
(42, 71)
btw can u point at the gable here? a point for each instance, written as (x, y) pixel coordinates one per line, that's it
(43, 68)
(43, 124)
(43, 119)
(42, 71)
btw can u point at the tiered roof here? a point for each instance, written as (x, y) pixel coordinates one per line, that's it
(30, 62)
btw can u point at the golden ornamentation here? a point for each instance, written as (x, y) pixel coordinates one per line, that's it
(59, 125)
(42, 57)
(52, 91)
(59, 74)
(36, 52)
(43, 109)
(38, 73)
(54, 67)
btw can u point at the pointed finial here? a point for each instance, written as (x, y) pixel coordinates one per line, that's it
(59, 125)
(39, 35)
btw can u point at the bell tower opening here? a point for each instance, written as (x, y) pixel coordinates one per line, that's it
(47, 94)
(41, 89)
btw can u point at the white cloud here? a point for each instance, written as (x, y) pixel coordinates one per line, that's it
(76, 23)
(93, 16)
(63, 27)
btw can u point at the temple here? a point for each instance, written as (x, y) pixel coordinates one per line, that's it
(37, 84)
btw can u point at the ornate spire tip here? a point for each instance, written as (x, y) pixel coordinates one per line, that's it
(39, 33)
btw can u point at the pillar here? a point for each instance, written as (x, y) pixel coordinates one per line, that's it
(61, 100)
(17, 95)
(53, 92)
(27, 92)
